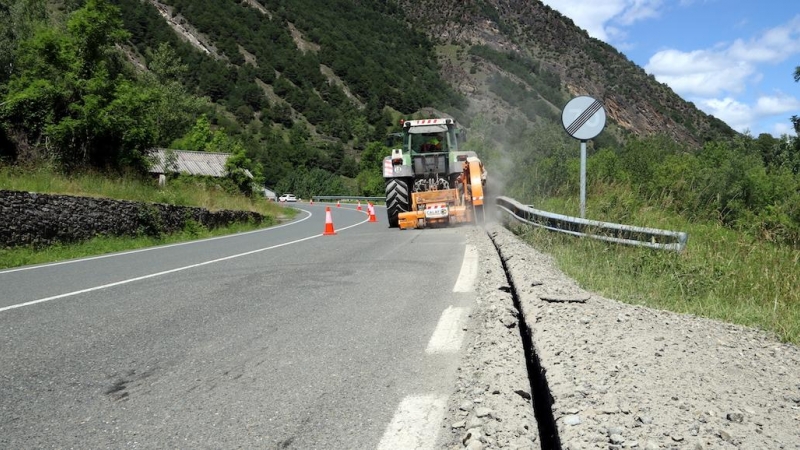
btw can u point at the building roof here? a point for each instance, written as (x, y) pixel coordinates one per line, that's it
(185, 161)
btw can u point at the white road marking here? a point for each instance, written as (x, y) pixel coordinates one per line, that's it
(469, 270)
(417, 420)
(415, 424)
(449, 332)
(110, 255)
(158, 274)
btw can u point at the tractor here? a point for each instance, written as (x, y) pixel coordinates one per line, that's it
(429, 181)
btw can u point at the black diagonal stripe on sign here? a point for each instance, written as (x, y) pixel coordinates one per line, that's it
(584, 117)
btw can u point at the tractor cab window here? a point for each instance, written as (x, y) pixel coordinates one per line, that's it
(429, 142)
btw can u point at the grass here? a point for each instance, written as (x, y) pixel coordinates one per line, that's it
(22, 256)
(722, 274)
(183, 191)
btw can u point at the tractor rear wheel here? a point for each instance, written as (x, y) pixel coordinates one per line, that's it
(398, 199)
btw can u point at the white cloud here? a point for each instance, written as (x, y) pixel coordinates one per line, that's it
(640, 10)
(743, 117)
(594, 16)
(758, 52)
(713, 78)
(782, 128)
(700, 72)
(777, 104)
(774, 46)
(725, 68)
(736, 114)
(717, 78)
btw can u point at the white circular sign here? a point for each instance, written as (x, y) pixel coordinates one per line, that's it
(583, 117)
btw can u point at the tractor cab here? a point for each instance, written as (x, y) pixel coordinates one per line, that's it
(430, 136)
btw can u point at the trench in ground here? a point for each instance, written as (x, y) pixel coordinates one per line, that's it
(542, 400)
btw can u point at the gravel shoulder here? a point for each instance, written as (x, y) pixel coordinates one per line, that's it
(620, 376)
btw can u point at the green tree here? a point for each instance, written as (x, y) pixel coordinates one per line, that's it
(361, 131)
(242, 171)
(369, 180)
(796, 119)
(18, 21)
(198, 137)
(372, 158)
(69, 96)
(175, 108)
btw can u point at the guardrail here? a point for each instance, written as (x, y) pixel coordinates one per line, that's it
(604, 231)
(346, 198)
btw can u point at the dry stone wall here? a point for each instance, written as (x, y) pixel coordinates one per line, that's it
(27, 218)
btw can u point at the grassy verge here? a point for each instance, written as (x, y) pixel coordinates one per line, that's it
(722, 274)
(184, 191)
(22, 256)
(181, 191)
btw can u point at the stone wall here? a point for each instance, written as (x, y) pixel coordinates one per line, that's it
(28, 218)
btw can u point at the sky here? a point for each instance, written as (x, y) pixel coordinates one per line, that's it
(734, 59)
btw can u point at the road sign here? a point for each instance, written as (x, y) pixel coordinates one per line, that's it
(583, 117)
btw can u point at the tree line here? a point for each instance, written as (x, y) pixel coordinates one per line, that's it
(82, 87)
(749, 183)
(99, 83)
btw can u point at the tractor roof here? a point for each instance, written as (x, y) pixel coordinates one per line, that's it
(422, 122)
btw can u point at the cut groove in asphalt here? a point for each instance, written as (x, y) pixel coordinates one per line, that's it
(542, 399)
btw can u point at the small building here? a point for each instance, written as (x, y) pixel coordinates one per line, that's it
(188, 162)
(270, 194)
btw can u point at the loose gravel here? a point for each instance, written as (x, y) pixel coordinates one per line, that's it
(613, 375)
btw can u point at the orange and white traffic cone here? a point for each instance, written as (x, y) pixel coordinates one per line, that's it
(358, 208)
(337, 204)
(371, 212)
(328, 222)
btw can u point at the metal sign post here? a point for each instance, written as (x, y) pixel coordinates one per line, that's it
(583, 118)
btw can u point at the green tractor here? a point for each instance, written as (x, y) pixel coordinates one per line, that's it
(427, 159)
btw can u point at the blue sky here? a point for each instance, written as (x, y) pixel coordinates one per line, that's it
(734, 59)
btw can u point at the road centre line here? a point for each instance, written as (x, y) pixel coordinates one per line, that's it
(415, 424)
(166, 272)
(130, 252)
(469, 270)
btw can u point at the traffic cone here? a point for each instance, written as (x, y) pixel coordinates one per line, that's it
(358, 208)
(371, 212)
(311, 202)
(337, 204)
(328, 222)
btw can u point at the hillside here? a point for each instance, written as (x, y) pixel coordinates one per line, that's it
(310, 83)
(371, 55)
(549, 43)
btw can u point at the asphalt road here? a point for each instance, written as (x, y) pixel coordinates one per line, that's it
(279, 338)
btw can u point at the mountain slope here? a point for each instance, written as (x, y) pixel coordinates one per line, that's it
(586, 66)
(373, 54)
(311, 83)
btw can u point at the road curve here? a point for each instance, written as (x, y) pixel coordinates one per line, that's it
(278, 338)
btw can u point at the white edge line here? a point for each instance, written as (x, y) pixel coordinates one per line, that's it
(469, 271)
(449, 332)
(153, 275)
(158, 247)
(415, 424)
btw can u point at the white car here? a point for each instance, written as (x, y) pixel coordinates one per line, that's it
(288, 198)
